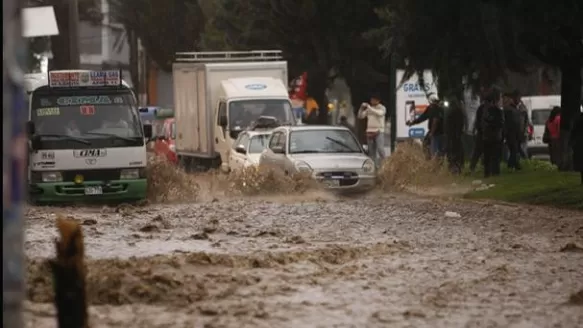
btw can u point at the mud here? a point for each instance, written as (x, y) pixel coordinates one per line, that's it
(317, 260)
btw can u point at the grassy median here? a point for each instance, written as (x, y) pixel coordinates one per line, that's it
(538, 183)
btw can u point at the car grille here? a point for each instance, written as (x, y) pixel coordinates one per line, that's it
(344, 178)
(92, 175)
(335, 174)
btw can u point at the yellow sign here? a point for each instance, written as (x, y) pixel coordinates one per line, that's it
(51, 111)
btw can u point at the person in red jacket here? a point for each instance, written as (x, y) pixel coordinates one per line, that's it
(553, 126)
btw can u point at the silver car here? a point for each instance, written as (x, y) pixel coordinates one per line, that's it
(331, 154)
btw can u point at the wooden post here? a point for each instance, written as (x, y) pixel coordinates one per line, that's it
(69, 276)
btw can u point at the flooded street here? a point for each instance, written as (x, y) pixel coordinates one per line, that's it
(373, 261)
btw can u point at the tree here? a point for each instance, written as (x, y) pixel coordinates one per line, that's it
(553, 33)
(452, 38)
(164, 27)
(321, 37)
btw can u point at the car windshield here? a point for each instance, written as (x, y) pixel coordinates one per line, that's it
(86, 114)
(323, 141)
(540, 116)
(258, 143)
(243, 113)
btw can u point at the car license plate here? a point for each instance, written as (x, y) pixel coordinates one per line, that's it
(93, 190)
(331, 183)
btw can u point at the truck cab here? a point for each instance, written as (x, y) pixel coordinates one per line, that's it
(219, 94)
(242, 101)
(86, 138)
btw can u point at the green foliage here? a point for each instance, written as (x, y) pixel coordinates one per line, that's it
(475, 40)
(536, 185)
(164, 27)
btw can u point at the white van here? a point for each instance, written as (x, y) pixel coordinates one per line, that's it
(539, 109)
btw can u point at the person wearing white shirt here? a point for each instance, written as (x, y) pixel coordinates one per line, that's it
(375, 114)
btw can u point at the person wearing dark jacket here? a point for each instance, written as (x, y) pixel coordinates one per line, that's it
(434, 113)
(576, 142)
(455, 124)
(492, 132)
(512, 132)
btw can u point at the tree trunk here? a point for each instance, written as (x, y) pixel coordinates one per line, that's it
(571, 83)
(60, 43)
(134, 70)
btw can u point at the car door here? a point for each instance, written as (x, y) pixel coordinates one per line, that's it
(267, 156)
(237, 160)
(279, 159)
(221, 130)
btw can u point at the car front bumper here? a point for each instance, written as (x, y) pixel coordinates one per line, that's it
(65, 192)
(357, 181)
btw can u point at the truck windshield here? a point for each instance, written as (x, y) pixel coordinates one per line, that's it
(105, 118)
(243, 113)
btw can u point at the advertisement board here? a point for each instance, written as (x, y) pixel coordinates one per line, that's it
(411, 102)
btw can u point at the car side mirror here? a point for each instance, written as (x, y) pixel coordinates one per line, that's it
(30, 128)
(223, 120)
(148, 131)
(241, 149)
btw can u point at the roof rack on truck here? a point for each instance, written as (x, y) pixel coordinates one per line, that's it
(229, 56)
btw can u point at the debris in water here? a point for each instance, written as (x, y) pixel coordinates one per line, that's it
(452, 214)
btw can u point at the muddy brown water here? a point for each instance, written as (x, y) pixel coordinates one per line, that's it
(380, 260)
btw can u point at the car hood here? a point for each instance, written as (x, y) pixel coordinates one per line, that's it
(332, 161)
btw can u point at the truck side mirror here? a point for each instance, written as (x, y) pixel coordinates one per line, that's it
(30, 128)
(223, 120)
(148, 131)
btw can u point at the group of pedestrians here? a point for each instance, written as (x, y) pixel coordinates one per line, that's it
(502, 128)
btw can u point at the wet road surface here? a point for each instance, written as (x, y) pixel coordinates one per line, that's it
(317, 261)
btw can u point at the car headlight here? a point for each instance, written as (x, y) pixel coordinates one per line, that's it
(172, 147)
(129, 174)
(302, 166)
(368, 166)
(52, 177)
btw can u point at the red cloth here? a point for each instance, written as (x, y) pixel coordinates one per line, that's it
(554, 127)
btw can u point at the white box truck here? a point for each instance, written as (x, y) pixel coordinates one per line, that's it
(219, 94)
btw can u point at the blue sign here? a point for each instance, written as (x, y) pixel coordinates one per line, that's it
(256, 86)
(416, 133)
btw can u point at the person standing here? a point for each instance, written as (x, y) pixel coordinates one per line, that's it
(512, 132)
(375, 114)
(492, 132)
(553, 129)
(478, 141)
(455, 125)
(576, 142)
(434, 113)
(525, 124)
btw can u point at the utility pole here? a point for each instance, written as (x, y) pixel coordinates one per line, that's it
(74, 55)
